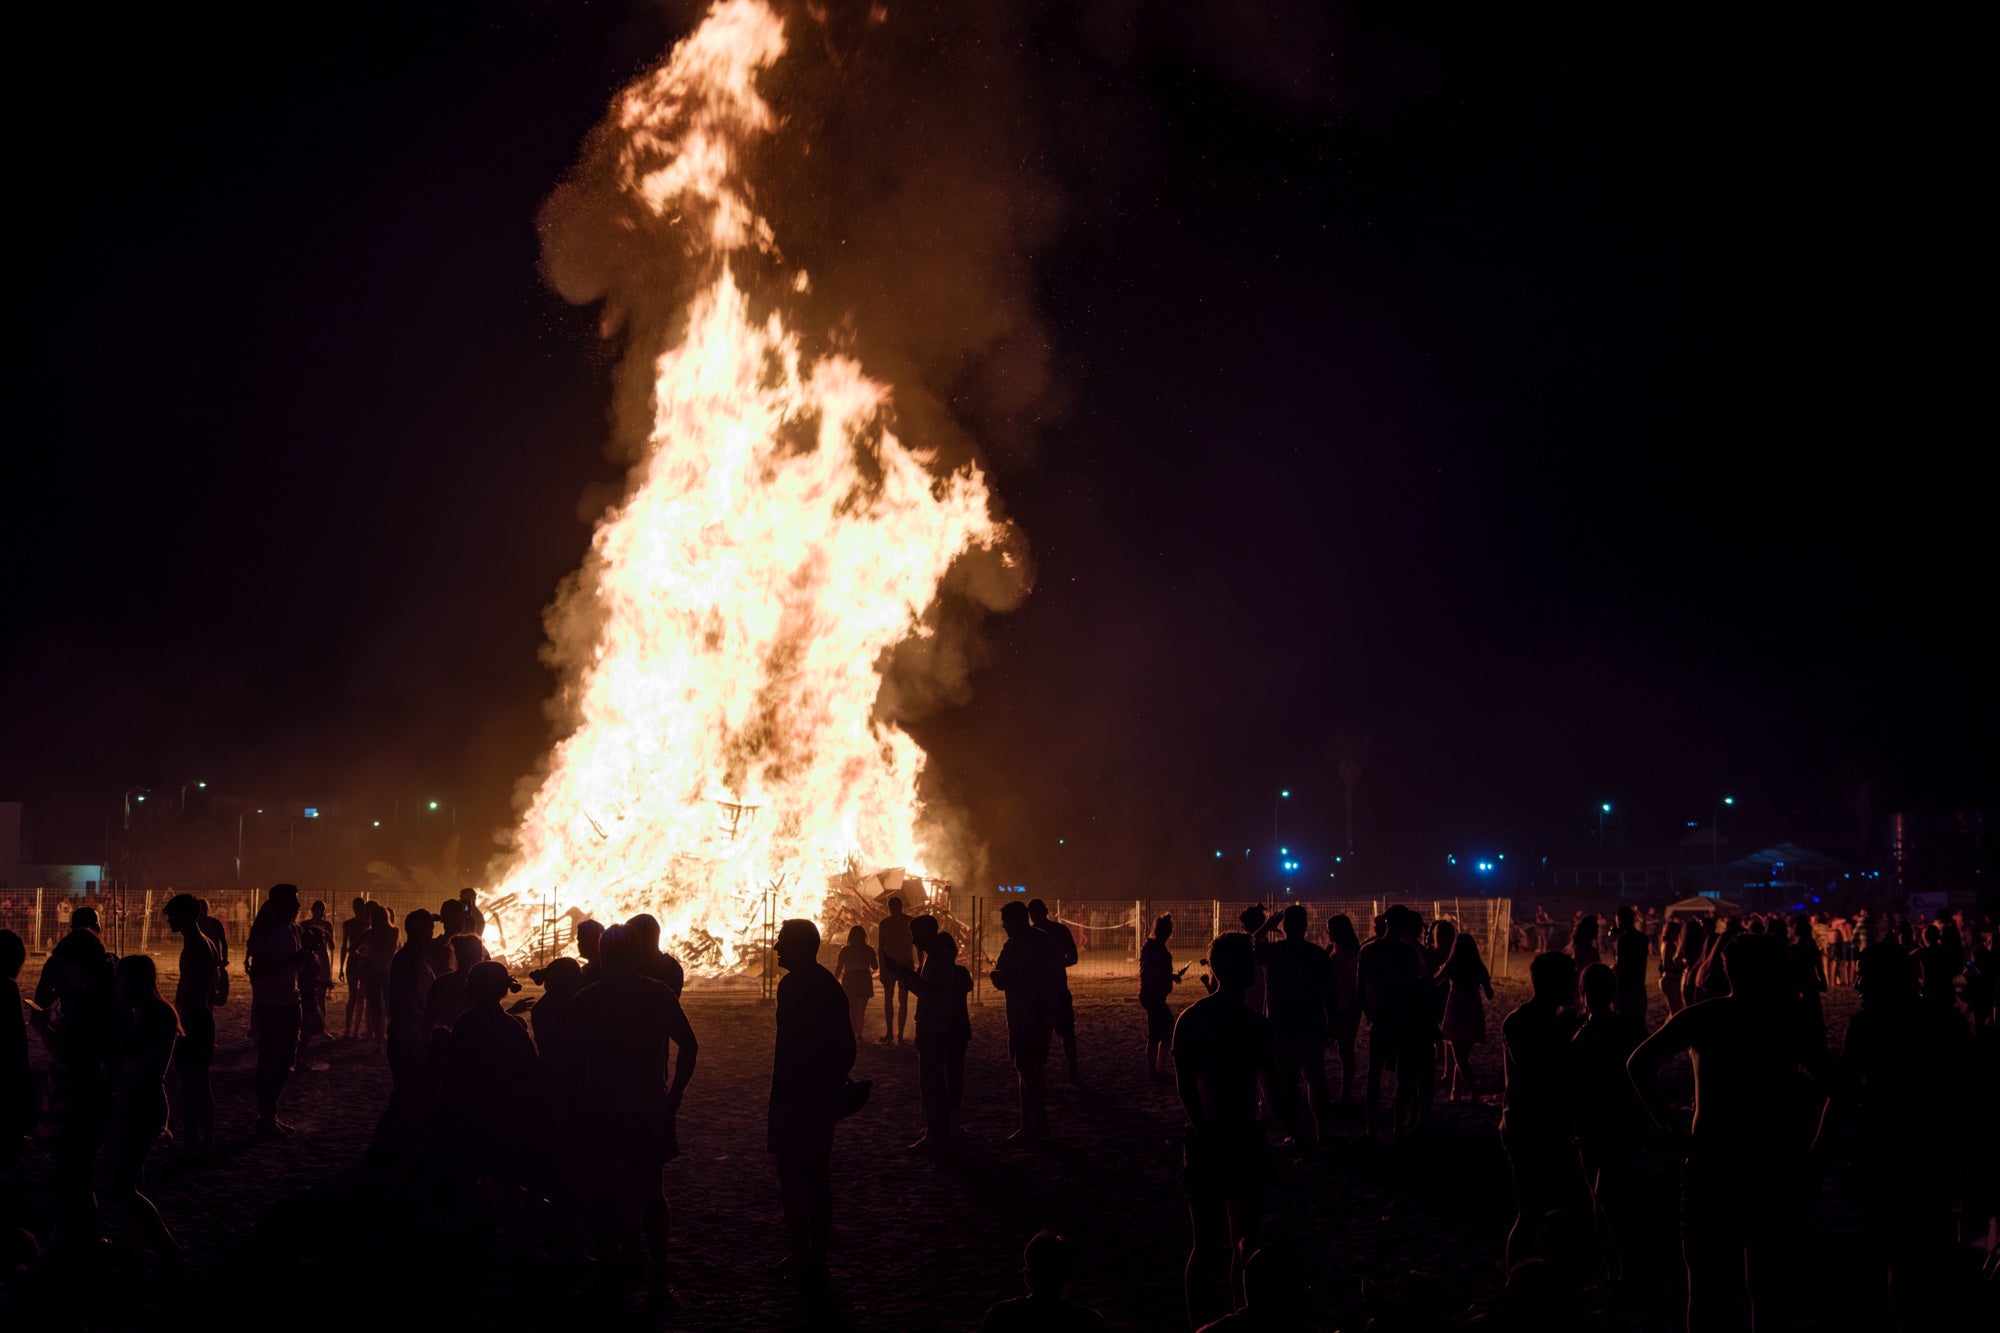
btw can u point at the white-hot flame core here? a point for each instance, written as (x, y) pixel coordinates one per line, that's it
(778, 542)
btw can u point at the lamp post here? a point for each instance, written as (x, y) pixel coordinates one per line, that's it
(199, 786)
(1715, 832)
(1603, 809)
(449, 807)
(1284, 794)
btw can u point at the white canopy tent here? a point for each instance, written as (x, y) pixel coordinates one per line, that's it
(1699, 906)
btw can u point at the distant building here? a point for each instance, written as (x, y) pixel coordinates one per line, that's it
(18, 872)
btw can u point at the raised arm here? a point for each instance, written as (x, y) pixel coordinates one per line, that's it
(1673, 1037)
(909, 976)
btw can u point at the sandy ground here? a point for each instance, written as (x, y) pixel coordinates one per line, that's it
(917, 1245)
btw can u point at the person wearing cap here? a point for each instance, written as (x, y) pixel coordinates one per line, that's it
(624, 1026)
(1395, 992)
(489, 1064)
(410, 980)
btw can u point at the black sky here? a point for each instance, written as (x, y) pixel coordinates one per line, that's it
(1577, 403)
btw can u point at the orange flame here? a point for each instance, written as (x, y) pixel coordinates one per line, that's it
(778, 541)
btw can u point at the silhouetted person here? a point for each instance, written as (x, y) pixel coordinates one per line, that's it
(1047, 1264)
(148, 1028)
(1276, 1298)
(211, 926)
(447, 925)
(814, 1051)
(1743, 1190)
(855, 970)
(1629, 950)
(1065, 946)
(1941, 963)
(1808, 982)
(1711, 977)
(1297, 978)
(588, 933)
(273, 956)
(1028, 972)
(490, 1067)
(376, 955)
(628, 1024)
(1583, 942)
(944, 1030)
(17, 1085)
(1672, 967)
(564, 1102)
(924, 930)
(552, 1019)
(475, 920)
(1396, 996)
(894, 942)
(657, 962)
(1157, 980)
(315, 972)
(1344, 1004)
(1609, 1120)
(352, 932)
(80, 1024)
(1904, 1066)
(1982, 984)
(1538, 1110)
(1253, 919)
(447, 1000)
(1222, 1055)
(1467, 987)
(194, 1000)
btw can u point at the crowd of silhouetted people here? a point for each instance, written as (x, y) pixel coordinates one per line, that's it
(554, 1131)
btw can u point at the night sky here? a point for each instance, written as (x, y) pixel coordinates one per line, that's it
(1578, 404)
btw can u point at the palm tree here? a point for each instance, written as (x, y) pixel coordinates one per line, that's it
(1348, 751)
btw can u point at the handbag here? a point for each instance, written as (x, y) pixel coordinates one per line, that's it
(853, 1096)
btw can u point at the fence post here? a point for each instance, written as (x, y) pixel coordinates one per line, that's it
(36, 929)
(1214, 919)
(146, 923)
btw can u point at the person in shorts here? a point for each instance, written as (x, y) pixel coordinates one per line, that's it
(1223, 1057)
(1157, 979)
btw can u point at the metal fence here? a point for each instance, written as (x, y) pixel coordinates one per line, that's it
(1109, 932)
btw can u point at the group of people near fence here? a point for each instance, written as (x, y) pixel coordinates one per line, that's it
(1583, 1093)
(609, 1053)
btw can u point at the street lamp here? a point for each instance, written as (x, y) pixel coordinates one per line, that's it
(453, 809)
(1284, 794)
(199, 786)
(1715, 832)
(1603, 809)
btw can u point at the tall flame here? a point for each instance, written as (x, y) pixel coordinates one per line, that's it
(777, 542)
